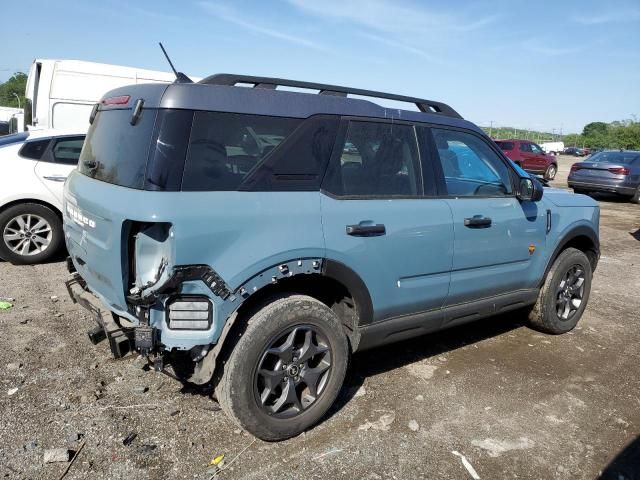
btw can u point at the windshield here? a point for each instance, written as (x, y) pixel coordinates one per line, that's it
(12, 139)
(614, 157)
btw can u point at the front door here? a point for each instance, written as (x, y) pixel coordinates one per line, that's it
(377, 221)
(496, 235)
(57, 162)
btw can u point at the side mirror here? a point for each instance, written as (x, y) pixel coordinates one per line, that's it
(530, 190)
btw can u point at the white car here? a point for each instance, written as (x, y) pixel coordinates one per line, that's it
(34, 167)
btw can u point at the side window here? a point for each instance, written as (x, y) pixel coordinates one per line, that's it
(34, 150)
(67, 151)
(225, 147)
(377, 159)
(535, 148)
(470, 166)
(525, 147)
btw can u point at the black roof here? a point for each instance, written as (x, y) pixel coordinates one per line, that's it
(220, 93)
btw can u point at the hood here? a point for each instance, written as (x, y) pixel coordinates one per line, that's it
(565, 198)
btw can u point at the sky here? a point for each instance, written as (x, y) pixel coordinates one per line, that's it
(539, 65)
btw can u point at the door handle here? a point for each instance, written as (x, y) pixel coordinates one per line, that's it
(366, 230)
(477, 221)
(56, 178)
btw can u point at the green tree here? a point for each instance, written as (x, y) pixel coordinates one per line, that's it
(12, 91)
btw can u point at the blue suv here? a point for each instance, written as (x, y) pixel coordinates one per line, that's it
(253, 237)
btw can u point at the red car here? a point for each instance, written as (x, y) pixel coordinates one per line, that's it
(530, 157)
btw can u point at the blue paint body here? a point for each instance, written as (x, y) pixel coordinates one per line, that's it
(427, 260)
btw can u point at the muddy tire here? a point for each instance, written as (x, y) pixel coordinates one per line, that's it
(286, 369)
(564, 295)
(30, 233)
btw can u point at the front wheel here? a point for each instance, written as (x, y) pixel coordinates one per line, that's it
(564, 295)
(286, 369)
(29, 233)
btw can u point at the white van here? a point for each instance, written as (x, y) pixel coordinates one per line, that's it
(61, 93)
(553, 148)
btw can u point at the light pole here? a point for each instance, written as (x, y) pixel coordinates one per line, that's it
(17, 97)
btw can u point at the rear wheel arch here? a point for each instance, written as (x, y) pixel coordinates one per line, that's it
(336, 285)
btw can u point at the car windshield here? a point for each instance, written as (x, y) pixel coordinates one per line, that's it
(614, 157)
(15, 138)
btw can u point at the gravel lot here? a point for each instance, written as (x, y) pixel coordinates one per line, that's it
(515, 403)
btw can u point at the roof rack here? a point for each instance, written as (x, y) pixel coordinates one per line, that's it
(423, 105)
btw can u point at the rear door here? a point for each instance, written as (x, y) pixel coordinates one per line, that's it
(378, 221)
(493, 230)
(538, 158)
(57, 162)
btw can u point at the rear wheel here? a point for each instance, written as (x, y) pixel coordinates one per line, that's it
(286, 369)
(564, 295)
(29, 233)
(551, 171)
(636, 196)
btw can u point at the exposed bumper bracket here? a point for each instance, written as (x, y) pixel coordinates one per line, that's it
(119, 337)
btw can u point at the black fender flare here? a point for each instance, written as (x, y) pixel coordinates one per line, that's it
(351, 280)
(571, 234)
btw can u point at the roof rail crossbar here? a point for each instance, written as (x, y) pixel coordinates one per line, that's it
(423, 105)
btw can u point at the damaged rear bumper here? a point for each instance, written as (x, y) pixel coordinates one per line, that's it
(109, 326)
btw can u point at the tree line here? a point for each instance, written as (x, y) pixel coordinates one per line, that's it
(12, 91)
(623, 134)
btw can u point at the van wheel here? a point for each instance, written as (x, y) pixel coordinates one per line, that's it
(551, 171)
(29, 233)
(564, 295)
(286, 368)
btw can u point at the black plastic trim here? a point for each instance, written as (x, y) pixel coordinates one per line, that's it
(409, 326)
(423, 105)
(356, 286)
(579, 231)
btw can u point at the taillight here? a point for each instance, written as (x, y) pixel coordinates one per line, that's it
(575, 166)
(120, 100)
(619, 170)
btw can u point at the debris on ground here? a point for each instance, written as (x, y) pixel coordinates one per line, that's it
(383, 423)
(129, 439)
(75, 456)
(5, 305)
(497, 447)
(217, 460)
(414, 426)
(467, 465)
(54, 455)
(12, 391)
(14, 366)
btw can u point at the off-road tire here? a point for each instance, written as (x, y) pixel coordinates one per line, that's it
(543, 316)
(235, 388)
(57, 236)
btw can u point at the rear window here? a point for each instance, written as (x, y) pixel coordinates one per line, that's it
(614, 157)
(35, 149)
(505, 145)
(225, 147)
(116, 151)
